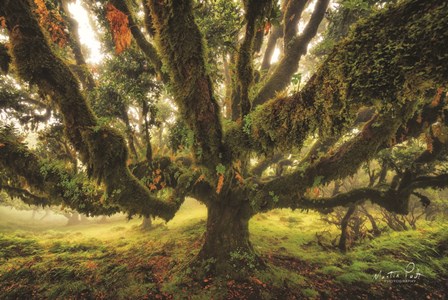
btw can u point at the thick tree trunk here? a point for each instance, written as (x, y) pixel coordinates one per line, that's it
(227, 249)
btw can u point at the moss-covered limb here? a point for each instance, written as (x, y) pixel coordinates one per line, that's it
(421, 182)
(319, 148)
(182, 49)
(428, 115)
(281, 76)
(149, 26)
(345, 161)
(391, 200)
(323, 145)
(163, 172)
(102, 149)
(49, 183)
(25, 196)
(255, 11)
(377, 65)
(148, 49)
(291, 18)
(377, 134)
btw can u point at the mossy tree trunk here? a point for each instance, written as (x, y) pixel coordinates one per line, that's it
(227, 248)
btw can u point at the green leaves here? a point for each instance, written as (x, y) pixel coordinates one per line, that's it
(220, 169)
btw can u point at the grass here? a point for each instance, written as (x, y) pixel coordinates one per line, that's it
(45, 260)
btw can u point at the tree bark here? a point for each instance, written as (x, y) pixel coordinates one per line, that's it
(344, 228)
(227, 249)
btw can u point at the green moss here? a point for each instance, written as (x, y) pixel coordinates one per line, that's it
(331, 270)
(354, 277)
(310, 293)
(17, 247)
(182, 48)
(389, 60)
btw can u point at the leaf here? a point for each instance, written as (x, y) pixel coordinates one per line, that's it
(435, 102)
(200, 178)
(239, 178)
(220, 183)
(220, 169)
(119, 26)
(267, 28)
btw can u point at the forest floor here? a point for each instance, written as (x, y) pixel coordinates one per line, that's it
(116, 260)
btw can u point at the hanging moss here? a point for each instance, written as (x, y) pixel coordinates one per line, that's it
(49, 178)
(344, 162)
(101, 148)
(389, 59)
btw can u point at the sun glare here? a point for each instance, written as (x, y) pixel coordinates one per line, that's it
(86, 33)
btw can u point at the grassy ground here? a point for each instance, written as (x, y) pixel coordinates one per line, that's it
(116, 260)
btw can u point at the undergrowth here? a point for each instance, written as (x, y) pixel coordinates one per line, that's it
(117, 260)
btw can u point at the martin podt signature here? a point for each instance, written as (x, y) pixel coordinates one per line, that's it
(411, 273)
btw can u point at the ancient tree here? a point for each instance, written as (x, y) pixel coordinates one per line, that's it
(394, 64)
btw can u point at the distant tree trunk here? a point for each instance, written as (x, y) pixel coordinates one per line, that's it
(73, 219)
(47, 212)
(375, 229)
(33, 215)
(103, 220)
(83, 218)
(344, 228)
(146, 223)
(227, 247)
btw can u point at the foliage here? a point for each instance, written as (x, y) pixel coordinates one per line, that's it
(342, 19)
(119, 25)
(52, 21)
(180, 137)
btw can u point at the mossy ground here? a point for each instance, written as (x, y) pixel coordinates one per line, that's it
(116, 260)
